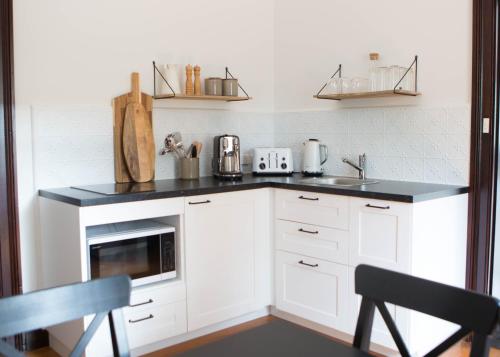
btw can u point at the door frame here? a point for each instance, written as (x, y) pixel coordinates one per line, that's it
(484, 144)
(10, 268)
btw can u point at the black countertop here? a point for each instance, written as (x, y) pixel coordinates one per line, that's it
(400, 191)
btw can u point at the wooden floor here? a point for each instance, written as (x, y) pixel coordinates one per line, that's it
(461, 349)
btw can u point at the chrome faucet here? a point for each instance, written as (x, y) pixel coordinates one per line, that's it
(360, 167)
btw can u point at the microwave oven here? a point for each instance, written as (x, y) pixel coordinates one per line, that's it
(144, 250)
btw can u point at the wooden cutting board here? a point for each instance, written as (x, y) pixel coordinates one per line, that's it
(119, 108)
(138, 140)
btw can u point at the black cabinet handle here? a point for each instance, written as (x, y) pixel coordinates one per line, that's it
(309, 265)
(199, 203)
(306, 231)
(379, 207)
(142, 303)
(139, 320)
(308, 198)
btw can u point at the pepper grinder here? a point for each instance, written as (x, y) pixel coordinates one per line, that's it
(189, 80)
(197, 81)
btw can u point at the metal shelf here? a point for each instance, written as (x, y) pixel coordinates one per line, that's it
(173, 95)
(378, 94)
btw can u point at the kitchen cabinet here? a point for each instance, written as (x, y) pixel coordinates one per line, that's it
(228, 255)
(320, 239)
(156, 312)
(380, 234)
(241, 251)
(314, 289)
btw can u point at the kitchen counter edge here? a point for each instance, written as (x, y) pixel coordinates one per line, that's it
(85, 199)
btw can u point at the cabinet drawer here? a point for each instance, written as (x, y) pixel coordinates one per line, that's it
(152, 296)
(313, 241)
(312, 208)
(313, 289)
(150, 325)
(380, 234)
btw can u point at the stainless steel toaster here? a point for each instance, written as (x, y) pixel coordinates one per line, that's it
(226, 160)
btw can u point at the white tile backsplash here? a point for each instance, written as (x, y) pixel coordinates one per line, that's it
(401, 143)
(74, 145)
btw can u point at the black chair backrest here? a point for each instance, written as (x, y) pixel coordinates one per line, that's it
(43, 308)
(474, 312)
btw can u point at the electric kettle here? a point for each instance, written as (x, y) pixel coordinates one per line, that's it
(315, 155)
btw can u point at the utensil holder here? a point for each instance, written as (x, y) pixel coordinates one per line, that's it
(190, 168)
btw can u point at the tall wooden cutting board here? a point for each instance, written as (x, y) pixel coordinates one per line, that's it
(138, 140)
(119, 107)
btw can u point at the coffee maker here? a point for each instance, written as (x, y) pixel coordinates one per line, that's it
(226, 159)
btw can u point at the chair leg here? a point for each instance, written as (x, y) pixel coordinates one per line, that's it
(480, 346)
(364, 325)
(118, 333)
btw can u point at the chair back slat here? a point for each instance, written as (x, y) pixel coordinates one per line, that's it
(393, 329)
(465, 308)
(49, 307)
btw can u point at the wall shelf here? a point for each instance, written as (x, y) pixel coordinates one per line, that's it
(378, 94)
(202, 97)
(173, 95)
(396, 91)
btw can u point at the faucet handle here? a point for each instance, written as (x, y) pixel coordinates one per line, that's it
(362, 160)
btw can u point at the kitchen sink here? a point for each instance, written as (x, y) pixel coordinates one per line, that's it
(338, 181)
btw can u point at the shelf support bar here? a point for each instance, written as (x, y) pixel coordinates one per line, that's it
(155, 69)
(229, 73)
(339, 71)
(414, 63)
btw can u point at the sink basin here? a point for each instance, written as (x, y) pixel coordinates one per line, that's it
(338, 181)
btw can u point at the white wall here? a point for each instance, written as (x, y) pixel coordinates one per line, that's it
(405, 138)
(313, 37)
(72, 58)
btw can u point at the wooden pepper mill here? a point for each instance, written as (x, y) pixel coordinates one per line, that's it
(189, 80)
(197, 80)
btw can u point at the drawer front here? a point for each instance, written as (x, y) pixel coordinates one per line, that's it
(314, 241)
(146, 326)
(312, 208)
(148, 297)
(313, 289)
(380, 234)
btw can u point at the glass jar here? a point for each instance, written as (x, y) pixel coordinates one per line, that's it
(359, 85)
(333, 86)
(373, 72)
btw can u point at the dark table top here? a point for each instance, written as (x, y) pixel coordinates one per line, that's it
(400, 191)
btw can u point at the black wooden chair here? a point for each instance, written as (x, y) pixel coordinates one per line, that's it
(475, 313)
(40, 309)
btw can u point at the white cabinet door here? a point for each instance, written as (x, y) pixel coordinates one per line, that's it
(313, 289)
(380, 234)
(228, 255)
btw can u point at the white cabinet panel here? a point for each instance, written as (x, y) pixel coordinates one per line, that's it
(224, 251)
(380, 234)
(314, 241)
(313, 208)
(313, 289)
(150, 325)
